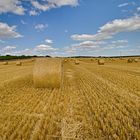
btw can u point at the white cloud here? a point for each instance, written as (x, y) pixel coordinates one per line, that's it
(130, 51)
(41, 27)
(49, 4)
(17, 7)
(9, 48)
(82, 37)
(13, 6)
(1, 41)
(138, 9)
(71, 50)
(120, 42)
(63, 2)
(123, 4)
(95, 46)
(49, 41)
(85, 46)
(88, 44)
(44, 47)
(43, 7)
(126, 4)
(66, 31)
(33, 13)
(117, 44)
(23, 22)
(18, 52)
(7, 31)
(112, 28)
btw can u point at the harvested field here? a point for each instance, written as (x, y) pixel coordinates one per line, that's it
(94, 102)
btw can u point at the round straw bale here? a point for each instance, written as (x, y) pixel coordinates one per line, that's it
(32, 60)
(5, 63)
(47, 73)
(101, 62)
(65, 60)
(136, 60)
(77, 62)
(18, 63)
(130, 60)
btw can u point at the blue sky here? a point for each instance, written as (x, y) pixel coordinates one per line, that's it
(70, 27)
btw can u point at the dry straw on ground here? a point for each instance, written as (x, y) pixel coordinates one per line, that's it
(47, 73)
(5, 63)
(101, 62)
(18, 63)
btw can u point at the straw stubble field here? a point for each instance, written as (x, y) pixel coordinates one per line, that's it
(95, 102)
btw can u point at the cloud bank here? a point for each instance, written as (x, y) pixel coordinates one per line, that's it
(7, 31)
(112, 28)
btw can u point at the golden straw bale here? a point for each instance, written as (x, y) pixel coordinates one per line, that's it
(77, 62)
(32, 60)
(47, 73)
(65, 60)
(136, 60)
(5, 63)
(130, 60)
(18, 63)
(101, 62)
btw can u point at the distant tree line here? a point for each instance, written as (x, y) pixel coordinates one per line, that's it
(103, 56)
(12, 57)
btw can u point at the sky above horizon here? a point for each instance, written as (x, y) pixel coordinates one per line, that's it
(70, 27)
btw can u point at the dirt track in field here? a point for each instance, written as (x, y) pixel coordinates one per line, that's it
(95, 102)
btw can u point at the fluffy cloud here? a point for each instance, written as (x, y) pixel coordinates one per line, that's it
(85, 46)
(63, 2)
(138, 9)
(23, 22)
(41, 27)
(123, 4)
(112, 28)
(18, 52)
(7, 31)
(33, 13)
(88, 44)
(126, 4)
(96, 46)
(49, 4)
(117, 44)
(9, 48)
(122, 42)
(71, 50)
(13, 6)
(17, 6)
(43, 7)
(44, 47)
(81, 37)
(49, 41)
(1, 41)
